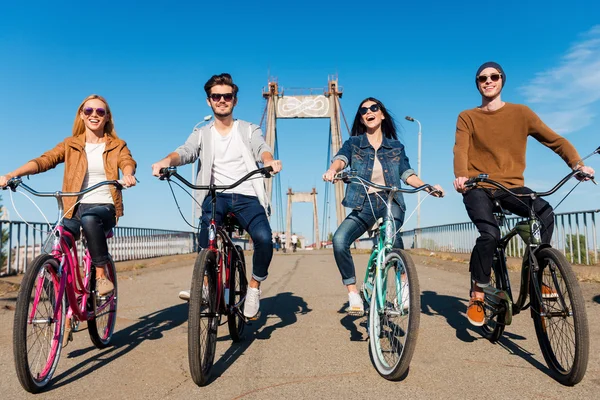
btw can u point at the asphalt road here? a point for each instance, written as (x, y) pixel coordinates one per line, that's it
(303, 346)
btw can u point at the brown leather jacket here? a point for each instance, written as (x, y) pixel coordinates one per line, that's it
(71, 151)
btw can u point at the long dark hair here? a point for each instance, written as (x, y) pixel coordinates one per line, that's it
(388, 125)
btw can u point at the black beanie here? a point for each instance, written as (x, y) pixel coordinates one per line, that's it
(491, 64)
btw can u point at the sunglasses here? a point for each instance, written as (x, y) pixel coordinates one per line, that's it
(372, 107)
(217, 96)
(101, 112)
(493, 77)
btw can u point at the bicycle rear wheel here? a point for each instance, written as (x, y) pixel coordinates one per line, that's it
(102, 324)
(202, 320)
(494, 323)
(238, 286)
(37, 333)
(393, 330)
(563, 332)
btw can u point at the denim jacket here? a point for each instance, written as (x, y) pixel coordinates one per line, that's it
(358, 154)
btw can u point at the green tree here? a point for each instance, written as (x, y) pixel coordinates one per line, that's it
(3, 240)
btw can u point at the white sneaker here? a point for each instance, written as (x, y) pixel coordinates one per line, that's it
(185, 294)
(356, 307)
(405, 298)
(252, 303)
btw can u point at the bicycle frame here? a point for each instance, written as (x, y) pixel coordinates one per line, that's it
(215, 231)
(530, 232)
(71, 282)
(386, 237)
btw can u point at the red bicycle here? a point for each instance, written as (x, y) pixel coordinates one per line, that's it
(56, 288)
(219, 283)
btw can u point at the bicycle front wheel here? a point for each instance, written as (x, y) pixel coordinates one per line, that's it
(238, 286)
(102, 324)
(202, 320)
(562, 332)
(38, 324)
(393, 329)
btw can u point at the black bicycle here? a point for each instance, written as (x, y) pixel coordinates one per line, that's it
(219, 283)
(547, 279)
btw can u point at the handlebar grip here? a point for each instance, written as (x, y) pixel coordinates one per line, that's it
(166, 172)
(267, 171)
(470, 183)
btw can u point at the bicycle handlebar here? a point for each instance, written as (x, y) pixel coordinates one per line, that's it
(347, 177)
(166, 173)
(15, 182)
(472, 182)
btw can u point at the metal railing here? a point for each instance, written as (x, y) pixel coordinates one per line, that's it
(27, 240)
(575, 234)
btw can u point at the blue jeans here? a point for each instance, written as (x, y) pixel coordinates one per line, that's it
(96, 220)
(355, 225)
(252, 217)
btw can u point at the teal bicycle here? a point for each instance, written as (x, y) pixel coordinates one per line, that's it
(391, 291)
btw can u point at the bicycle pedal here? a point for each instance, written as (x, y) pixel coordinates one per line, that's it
(255, 318)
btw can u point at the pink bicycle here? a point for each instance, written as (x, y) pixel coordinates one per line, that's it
(56, 288)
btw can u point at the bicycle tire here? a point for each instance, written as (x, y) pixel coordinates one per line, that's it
(202, 319)
(494, 325)
(102, 324)
(35, 367)
(238, 287)
(389, 327)
(569, 365)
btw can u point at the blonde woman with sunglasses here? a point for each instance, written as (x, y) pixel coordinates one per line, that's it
(94, 153)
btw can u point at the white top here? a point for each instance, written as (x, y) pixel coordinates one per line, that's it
(294, 239)
(95, 174)
(228, 164)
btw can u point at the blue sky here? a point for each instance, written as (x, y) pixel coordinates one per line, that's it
(419, 58)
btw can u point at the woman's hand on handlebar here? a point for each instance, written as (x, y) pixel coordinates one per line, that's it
(329, 175)
(4, 180)
(128, 180)
(436, 191)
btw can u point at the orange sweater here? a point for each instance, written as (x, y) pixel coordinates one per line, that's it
(495, 143)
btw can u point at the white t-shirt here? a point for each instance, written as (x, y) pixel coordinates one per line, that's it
(94, 174)
(228, 164)
(294, 239)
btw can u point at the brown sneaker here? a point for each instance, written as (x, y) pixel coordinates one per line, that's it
(475, 313)
(548, 292)
(104, 286)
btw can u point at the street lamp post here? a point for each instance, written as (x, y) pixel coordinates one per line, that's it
(195, 169)
(411, 119)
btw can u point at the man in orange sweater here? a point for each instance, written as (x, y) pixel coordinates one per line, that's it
(492, 139)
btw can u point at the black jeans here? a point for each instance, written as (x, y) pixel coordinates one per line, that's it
(479, 205)
(96, 220)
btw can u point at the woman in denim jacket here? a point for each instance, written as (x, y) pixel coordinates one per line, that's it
(375, 152)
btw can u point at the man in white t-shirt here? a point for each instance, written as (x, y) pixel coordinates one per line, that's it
(294, 241)
(228, 149)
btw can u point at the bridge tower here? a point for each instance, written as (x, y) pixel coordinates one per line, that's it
(309, 105)
(302, 197)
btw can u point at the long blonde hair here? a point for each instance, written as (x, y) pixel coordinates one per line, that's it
(79, 126)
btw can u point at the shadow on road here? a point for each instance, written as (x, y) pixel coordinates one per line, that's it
(149, 327)
(453, 309)
(284, 306)
(597, 299)
(349, 322)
